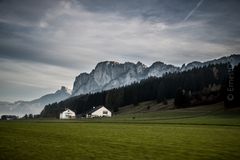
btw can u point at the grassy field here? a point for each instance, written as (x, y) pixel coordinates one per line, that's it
(206, 132)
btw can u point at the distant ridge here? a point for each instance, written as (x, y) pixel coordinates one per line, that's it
(35, 106)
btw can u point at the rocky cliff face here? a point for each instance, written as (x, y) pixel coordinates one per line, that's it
(109, 74)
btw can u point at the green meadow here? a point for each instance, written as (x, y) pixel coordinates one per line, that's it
(207, 132)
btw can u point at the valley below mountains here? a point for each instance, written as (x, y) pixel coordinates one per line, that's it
(105, 76)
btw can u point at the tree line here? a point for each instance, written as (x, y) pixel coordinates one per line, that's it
(187, 87)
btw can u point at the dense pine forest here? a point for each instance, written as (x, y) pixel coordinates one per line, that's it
(189, 88)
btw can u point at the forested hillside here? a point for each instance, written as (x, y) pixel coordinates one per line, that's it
(197, 86)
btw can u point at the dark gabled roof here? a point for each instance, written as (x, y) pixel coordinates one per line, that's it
(66, 110)
(93, 109)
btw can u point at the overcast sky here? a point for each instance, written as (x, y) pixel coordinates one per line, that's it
(44, 44)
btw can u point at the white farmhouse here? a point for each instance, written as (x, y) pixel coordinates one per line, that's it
(99, 111)
(67, 114)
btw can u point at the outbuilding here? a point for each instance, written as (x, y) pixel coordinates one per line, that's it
(67, 114)
(99, 111)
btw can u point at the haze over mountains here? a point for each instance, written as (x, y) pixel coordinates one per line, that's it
(105, 76)
(35, 106)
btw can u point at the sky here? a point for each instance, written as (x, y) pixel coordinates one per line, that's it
(45, 44)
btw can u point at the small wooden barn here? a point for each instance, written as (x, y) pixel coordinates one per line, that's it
(99, 111)
(67, 114)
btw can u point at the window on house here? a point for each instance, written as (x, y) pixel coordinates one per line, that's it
(105, 112)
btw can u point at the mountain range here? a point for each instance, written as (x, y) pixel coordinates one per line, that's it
(106, 75)
(109, 74)
(35, 106)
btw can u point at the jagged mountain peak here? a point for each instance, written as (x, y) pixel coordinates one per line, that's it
(191, 65)
(62, 89)
(36, 105)
(111, 74)
(140, 63)
(157, 64)
(106, 63)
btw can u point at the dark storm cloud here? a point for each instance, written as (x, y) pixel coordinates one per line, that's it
(24, 12)
(21, 22)
(223, 19)
(222, 16)
(164, 10)
(24, 48)
(18, 22)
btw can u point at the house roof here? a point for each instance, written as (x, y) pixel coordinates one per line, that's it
(94, 109)
(67, 110)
